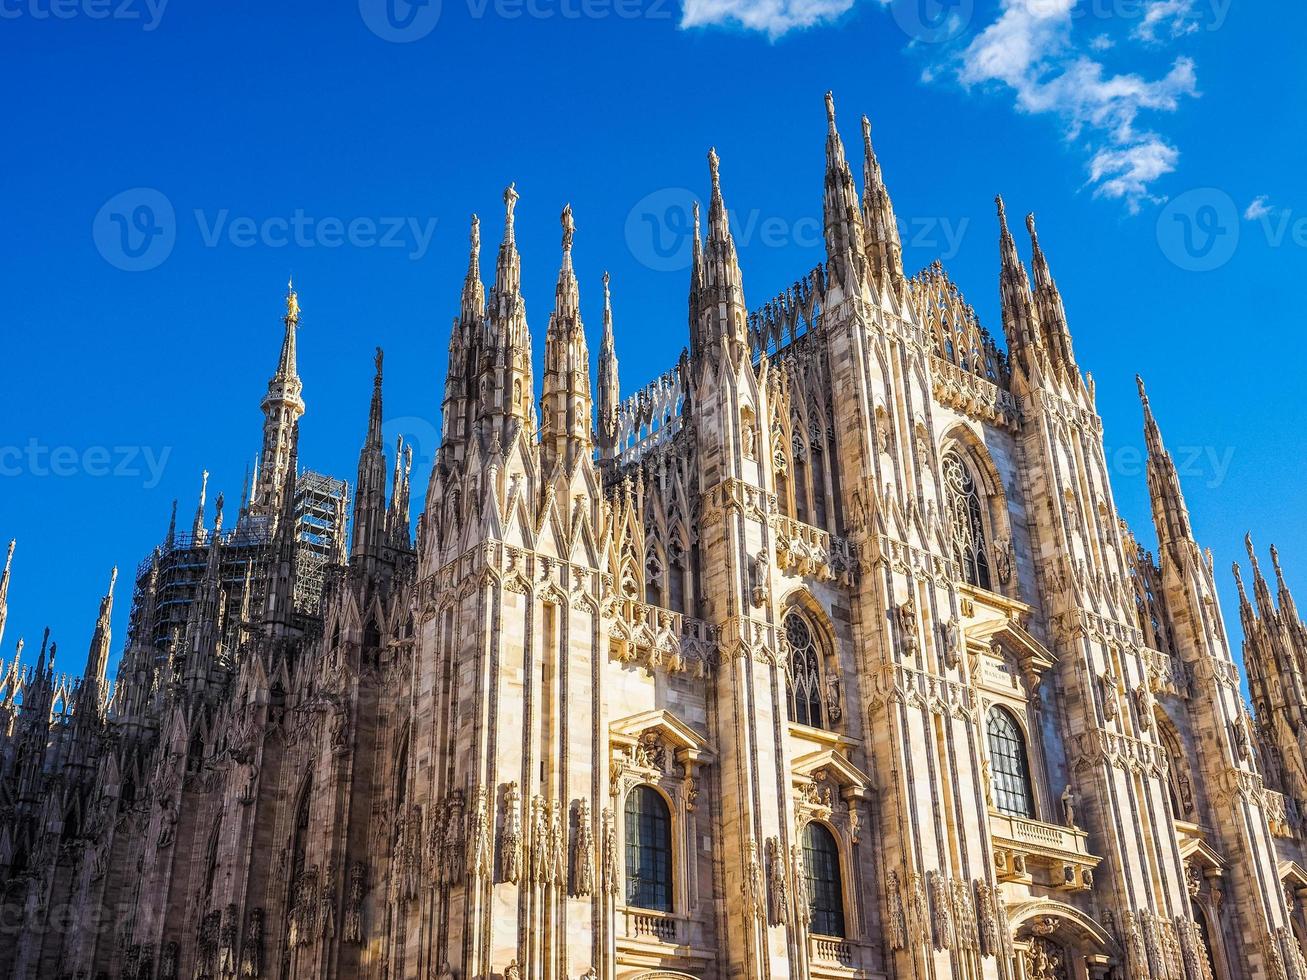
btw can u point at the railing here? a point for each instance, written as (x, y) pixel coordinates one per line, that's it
(1038, 833)
(834, 950)
(642, 925)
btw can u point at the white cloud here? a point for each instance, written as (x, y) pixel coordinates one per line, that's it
(1029, 49)
(1174, 18)
(1126, 172)
(1260, 208)
(772, 17)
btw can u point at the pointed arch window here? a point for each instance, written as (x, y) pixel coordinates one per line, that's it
(1009, 764)
(805, 672)
(968, 523)
(648, 850)
(821, 858)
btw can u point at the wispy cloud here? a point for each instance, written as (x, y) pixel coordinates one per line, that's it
(1167, 19)
(771, 17)
(1029, 50)
(1259, 208)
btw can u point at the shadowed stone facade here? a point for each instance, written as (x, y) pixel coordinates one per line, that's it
(826, 654)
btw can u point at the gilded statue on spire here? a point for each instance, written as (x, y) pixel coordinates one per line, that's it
(292, 302)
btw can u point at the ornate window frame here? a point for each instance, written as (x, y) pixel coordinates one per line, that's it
(658, 750)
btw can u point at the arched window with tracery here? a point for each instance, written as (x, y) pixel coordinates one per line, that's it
(968, 522)
(648, 850)
(1009, 764)
(805, 672)
(821, 858)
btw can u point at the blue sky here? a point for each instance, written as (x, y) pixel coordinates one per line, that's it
(1160, 142)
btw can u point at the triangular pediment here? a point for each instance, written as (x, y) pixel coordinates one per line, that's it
(836, 765)
(676, 732)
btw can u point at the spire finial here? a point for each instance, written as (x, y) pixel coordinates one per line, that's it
(510, 205)
(377, 360)
(475, 236)
(292, 303)
(1002, 210)
(714, 169)
(866, 136)
(1030, 227)
(697, 232)
(569, 229)
(830, 110)
(1143, 394)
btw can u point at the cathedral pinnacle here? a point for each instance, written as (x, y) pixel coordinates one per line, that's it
(197, 526)
(881, 229)
(97, 658)
(846, 252)
(608, 386)
(282, 407)
(4, 586)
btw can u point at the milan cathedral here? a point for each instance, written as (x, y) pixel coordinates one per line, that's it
(826, 654)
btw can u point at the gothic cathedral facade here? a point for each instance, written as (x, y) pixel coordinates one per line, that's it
(824, 655)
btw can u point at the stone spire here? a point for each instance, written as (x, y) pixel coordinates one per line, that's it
(1261, 592)
(282, 407)
(1288, 609)
(370, 489)
(95, 677)
(197, 525)
(1170, 515)
(4, 586)
(609, 391)
(171, 538)
(397, 520)
(696, 284)
(721, 310)
(565, 407)
(506, 400)
(1048, 304)
(881, 226)
(1020, 321)
(846, 252)
(466, 343)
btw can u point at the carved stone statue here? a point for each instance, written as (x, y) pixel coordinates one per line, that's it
(907, 617)
(1069, 807)
(510, 836)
